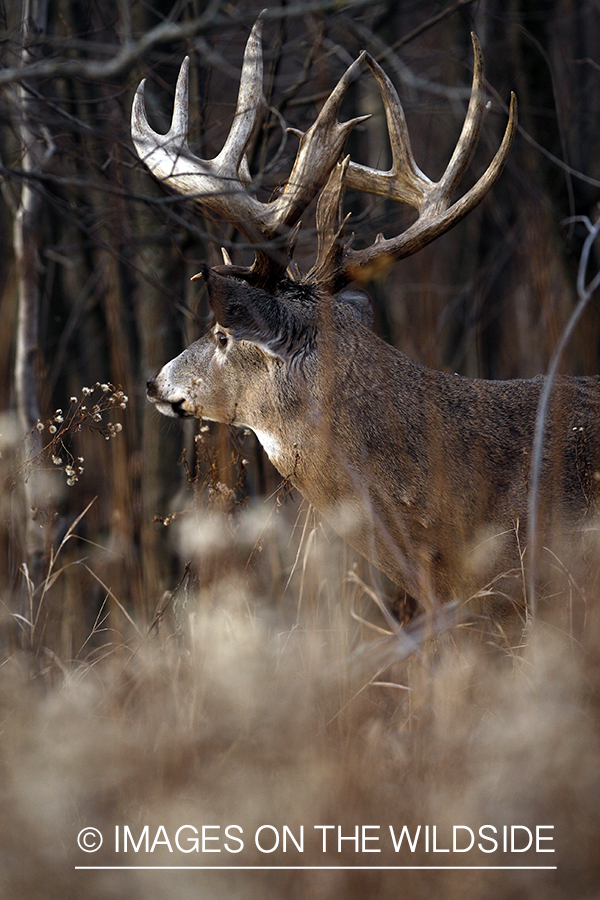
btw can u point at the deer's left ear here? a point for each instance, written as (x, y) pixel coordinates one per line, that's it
(360, 305)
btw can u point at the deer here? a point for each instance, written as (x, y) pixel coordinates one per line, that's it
(423, 472)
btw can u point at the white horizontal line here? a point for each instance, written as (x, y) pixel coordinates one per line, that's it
(328, 868)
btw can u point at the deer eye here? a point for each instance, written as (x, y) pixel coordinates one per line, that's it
(222, 338)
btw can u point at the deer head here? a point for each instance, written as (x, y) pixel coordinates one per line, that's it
(340, 413)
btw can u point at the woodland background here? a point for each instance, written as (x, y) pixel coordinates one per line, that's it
(102, 279)
(180, 640)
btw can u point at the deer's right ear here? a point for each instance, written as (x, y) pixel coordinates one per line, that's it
(250, 314)
(221, 296)
(360, 305)
(235, 305)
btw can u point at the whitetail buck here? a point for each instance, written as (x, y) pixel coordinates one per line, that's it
(423, 472)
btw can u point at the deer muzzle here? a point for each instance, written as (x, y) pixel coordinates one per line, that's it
(168, 406)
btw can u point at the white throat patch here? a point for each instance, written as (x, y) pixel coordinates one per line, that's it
(269, 444)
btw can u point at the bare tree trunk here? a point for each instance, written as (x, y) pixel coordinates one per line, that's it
(36, 148)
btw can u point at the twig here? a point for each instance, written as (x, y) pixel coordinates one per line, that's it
(584, 295)
(163, 33)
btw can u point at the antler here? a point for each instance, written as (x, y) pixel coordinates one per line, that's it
(406, 183)
(223, 184)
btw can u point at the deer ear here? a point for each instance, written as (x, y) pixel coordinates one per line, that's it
(225, 298)
(249, 314)
(359, 303)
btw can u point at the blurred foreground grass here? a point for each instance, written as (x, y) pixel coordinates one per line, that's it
(266, 693)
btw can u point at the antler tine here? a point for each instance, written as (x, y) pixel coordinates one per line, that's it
(250, 99)
(475, 195)
(178, 132)
(330, 225)
(404, 182)
(469, 136)
(407, 184)
(151, 147)
(161, 152)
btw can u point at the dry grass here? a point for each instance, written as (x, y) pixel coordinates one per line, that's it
(247, 703)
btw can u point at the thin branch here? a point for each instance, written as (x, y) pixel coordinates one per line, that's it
(429, 23)
(584, 294)
(164, 32)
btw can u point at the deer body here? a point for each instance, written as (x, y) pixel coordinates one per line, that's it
(423, 472)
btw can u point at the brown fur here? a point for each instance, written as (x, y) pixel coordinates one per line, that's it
(424, 472)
